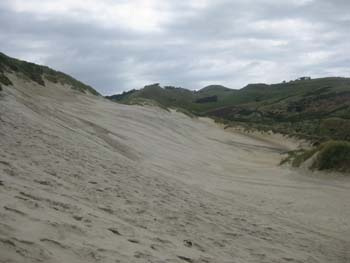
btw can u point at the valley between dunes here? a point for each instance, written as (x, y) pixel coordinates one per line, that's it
(83, 179)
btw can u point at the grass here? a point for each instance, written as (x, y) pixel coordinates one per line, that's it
(38, 74)
(186, 112)
(298, 157)
(147, 102)
(335, 128)
(333, 155)
(5, 80)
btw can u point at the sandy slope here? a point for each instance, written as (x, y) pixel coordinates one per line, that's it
(83, 179)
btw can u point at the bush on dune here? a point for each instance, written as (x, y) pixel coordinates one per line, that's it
(5, 80)
(333, 155)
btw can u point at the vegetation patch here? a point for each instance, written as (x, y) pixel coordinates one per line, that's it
(333, 155)
(186, 112)
(38, 73)
(121, 97)
(147, 102)
(5, 80)
(335, 128)
(207, 99)
(317, 110)
(298, 157)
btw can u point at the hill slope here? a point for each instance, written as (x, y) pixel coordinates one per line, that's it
(83, 179)
(194, 101)
(37, 73)
(317, 109)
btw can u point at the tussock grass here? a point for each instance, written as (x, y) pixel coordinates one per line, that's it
(298, 157)
(331, 156)
(38, 73)
(5, 80)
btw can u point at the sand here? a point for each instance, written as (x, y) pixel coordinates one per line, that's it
(83, 179)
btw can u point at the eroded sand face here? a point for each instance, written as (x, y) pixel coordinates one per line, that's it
(87, 180)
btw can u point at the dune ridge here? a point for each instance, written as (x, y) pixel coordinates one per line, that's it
(83, 179)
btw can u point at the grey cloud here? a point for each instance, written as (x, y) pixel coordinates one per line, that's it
(230, 43)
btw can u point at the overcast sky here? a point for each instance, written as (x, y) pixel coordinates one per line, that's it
(116, 45)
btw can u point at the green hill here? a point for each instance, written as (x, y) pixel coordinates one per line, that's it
(168, 96)
(315, 109)
(38, 74)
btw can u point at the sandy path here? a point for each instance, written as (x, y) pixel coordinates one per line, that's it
(87, 180)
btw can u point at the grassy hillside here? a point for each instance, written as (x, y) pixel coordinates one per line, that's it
(196, 102)
(316, 109)
(38, 74)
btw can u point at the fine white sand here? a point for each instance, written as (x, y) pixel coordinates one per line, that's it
(83, 179)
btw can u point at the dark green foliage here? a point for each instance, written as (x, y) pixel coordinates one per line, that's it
(298, 157)
(66, 79)
(335, 128)
(333, 155)
(52, 78)
(318, 91)
(38, 73)
(121, 97)
(304, 156)
(207, 99)
(30, 70)
(213, 89)
(175, 97)
(5, 80)
(167, 97)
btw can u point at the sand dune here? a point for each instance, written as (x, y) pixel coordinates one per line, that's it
(83, 179)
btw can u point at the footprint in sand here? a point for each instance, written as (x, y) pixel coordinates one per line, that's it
(186, 259)
(114, 231)
(134, 241)
(53, 242)
(188, 243)
(78, 218)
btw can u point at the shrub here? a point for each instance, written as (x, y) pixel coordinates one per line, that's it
(304, 156)
(207, 99)
(333, 155)
(5, 80)
(336, 128)
(298, 157)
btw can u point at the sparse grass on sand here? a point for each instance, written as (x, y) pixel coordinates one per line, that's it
(331, 155)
